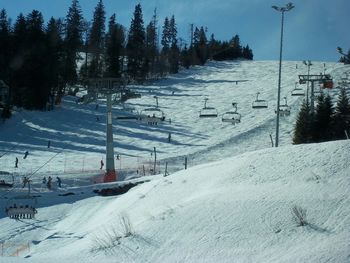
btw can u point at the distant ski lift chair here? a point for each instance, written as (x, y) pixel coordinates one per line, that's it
(208, 112)
(284, 109)
(259, 104)
(22, 207)
(152, 115)
(232, 116)
(297, 91)
(4, 184)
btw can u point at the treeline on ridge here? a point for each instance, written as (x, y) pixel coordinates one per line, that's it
(40, 62)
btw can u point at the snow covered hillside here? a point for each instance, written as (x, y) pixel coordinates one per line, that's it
(235, 206)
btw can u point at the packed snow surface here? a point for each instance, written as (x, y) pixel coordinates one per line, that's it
(233, 203)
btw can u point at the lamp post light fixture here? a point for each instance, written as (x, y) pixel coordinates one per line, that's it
(284, 9)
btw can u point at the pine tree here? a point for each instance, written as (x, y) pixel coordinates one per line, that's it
(136, 46)
(342, 116)
(152, 52)
(321, 130)
(236, 47)
(96, 40)
(73, 43)
(54, 43)
(36, 91)
(185, 58)
(247, 53)
(200, 46)
(174, 54)
(166, 41)
(302, 129)
(18, 52)
(5, 46)
(114, 48)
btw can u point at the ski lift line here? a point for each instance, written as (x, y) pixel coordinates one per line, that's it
(43, 165)
(7, 151)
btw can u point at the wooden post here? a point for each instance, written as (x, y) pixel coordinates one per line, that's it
(185, 162)
(166, 169)
(271, 139)
(155, 160)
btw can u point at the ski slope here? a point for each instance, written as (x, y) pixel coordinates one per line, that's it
(232, 204)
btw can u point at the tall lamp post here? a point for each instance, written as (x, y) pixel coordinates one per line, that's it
(284, 9)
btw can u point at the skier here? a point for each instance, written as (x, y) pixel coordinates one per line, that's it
(59, 181)
(49, 183)
(25, 155)
(44, 180)
(25, 181)
(16, 163)
(169, 137)
(102, 164)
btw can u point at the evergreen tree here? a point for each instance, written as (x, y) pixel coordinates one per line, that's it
(96, 40)
(152, 52)
(346, 58)
(321, 129)
(236, 47)
(5, 46)
(342, 116)
(114, 48)
(214, 46)
(18, 53)
(54, 43)
(136, 46)
(186, 58)
(36, 91)
(73, 43)
(200, 45)
(302, 129)
(247, 53)
(174, 54)
(166, 41)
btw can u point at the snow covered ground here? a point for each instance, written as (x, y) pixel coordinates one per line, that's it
(234, 202)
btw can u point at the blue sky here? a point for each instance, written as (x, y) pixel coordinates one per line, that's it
(312, 31)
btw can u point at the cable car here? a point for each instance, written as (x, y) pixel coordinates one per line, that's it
(232, 116)
(208, 112)
(258, 103)
(297, 91)
(284, 109)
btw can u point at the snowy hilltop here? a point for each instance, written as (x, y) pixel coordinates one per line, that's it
(239, 200)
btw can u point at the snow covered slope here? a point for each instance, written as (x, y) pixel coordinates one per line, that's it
(236, 209)
(233, 207)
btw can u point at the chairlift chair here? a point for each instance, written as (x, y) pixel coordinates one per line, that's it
(258, 103)
(284, 109)
(152, 115)
(208, 112)
(232, 116)
(22, 206)
(297, 91)
(4, 184)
